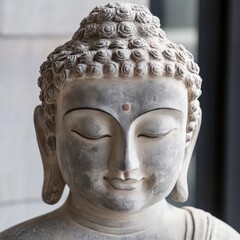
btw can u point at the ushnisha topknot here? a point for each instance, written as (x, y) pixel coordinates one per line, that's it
(118, 40)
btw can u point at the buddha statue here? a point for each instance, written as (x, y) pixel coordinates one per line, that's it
(118, 123)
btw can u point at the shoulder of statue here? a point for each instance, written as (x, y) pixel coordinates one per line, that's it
(41, 227)
(224, 231)
(202, 225)
(26, 230)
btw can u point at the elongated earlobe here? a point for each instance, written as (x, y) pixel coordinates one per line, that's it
(53, 186)
(180, 190)
(54, 183)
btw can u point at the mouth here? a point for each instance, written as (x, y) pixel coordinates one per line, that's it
(120, 184)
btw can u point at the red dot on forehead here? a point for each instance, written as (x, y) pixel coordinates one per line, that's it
(125, 107)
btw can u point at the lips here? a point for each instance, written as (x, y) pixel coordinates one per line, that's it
(120, 184)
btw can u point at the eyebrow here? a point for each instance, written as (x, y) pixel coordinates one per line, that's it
(164, 108)
(88, 108)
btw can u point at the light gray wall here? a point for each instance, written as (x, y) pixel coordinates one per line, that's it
(29, 31)
(181, 14)
(44, 17)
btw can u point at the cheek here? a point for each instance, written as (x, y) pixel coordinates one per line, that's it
(79, 158)
(162, 161)
(162, 158)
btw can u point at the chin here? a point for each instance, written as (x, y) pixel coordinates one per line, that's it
(124, 204)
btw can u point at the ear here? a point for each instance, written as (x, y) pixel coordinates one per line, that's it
(180, 190)
(54, 183)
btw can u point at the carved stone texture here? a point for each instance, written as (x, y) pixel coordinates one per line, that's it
(118, 124)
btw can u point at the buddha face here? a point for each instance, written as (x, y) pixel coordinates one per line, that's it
(121, 143)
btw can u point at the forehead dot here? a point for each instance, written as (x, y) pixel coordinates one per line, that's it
(125, 107)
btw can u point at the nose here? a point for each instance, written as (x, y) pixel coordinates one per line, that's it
(124, 161)
(129, 160)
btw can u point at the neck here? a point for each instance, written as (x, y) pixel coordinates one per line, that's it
(103, 220)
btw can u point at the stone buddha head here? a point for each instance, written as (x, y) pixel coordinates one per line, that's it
(118, 123)
(120, 113)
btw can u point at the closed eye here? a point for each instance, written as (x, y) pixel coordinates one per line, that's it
(155, 134)
(96, 137)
